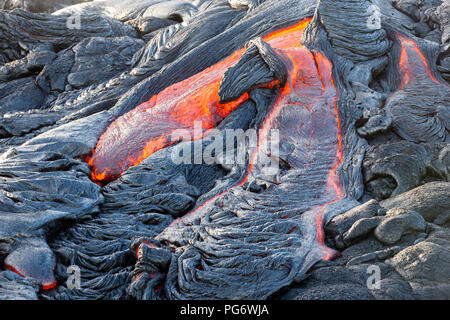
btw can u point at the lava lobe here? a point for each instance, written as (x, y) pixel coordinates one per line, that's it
(148, 128)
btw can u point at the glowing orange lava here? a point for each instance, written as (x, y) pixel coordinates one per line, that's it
(419, 69)
(305, 113)
(46, 285)
(148, 128)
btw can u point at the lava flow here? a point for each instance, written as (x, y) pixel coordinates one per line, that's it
(413, 65)
(28, 270)
(148, 128)
(306, 117)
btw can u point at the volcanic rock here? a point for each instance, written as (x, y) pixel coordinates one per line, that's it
(91, 94)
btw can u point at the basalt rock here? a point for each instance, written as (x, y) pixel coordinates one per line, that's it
(99, 59)
(245, 4)
(409, 268)
(430, 276)
(353, 90)
(15, 287)
(387, 229)
(23, 31)
(37, 5)
(20, 95)
(44, 187)
(178, 39)
(391, 217)
(430, 200)
(397, 223)
(394, 168)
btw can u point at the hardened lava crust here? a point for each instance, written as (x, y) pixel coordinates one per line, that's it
(118, 180)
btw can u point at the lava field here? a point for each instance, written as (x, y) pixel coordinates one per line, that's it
(224, 149)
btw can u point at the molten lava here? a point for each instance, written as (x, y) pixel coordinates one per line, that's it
(306, 116)
(413, 65)
(305, 113)
(148, 128)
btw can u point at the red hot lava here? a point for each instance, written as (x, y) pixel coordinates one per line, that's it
(305, 112)
(416, 73)
(46, 284)
(148, 128)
